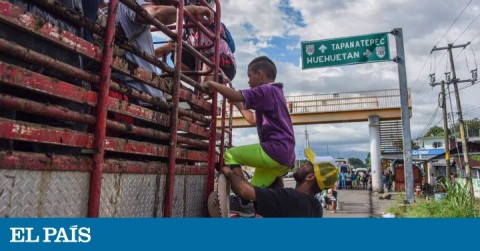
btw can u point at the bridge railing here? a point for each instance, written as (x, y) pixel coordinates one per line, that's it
(342, 102)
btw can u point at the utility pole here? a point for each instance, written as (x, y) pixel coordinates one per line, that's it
(306, 137)
(455, 82)
(442, 104)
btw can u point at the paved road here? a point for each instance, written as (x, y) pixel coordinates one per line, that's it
(355, 203)
(352, 204)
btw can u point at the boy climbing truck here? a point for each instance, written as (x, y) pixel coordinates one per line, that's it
(80, 136)
(274, 156)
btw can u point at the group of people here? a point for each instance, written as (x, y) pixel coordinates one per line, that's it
(354, 180)
(329, 199)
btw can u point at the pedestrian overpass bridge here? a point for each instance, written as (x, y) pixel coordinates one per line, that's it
(338, 108)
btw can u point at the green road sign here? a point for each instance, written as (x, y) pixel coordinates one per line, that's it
(343, 51)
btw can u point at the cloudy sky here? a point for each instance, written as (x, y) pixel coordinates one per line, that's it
(276, 28)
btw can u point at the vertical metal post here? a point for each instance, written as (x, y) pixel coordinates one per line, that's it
(445, 128)
(375, 153)
(172, 151)
(222, 129)
(213, 126)
(407, 138)
(230, 125)
(100, 130)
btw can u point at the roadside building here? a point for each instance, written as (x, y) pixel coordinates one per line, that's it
(436, 165)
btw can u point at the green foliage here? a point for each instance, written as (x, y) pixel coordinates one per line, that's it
(356, 162)
(458, 203)
(472, 125)
(398, 208)
(434, 131)
(367, 160)
(472, 129)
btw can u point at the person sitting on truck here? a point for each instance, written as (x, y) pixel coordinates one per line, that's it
(197, 38)
(138, 31)
(274, 156)
(282, 202)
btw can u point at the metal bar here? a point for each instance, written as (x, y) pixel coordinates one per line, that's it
(19, 77)
(230, 126)
(172, 153)
(57, 162)
(435, 48)
(16, 51)
(25, 79)
(58, 112)
(213, 126)
(152, 100)
(222, 137)
(33, 57)
(24, 131)
(100, 130)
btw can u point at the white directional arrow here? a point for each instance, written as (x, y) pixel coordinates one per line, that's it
(322, 48)
(367, 53)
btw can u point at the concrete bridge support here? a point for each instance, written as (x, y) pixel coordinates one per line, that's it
(375, 153)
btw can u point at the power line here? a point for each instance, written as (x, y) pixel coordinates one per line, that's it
(472, 111)
(472, 108)
(468, 26)
(420, 73)
(434, 115)
(453, 23)
(421, 90)
(475, 37)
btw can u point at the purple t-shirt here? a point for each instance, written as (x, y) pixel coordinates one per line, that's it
(274, 125)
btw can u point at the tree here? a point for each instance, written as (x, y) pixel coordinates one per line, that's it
(356, 162)
(434, 132)
(473, 127)
(367, 160)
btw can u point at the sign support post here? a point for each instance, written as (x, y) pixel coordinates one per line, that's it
(407, 138)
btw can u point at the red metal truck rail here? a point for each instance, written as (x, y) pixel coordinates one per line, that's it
(69, 147)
